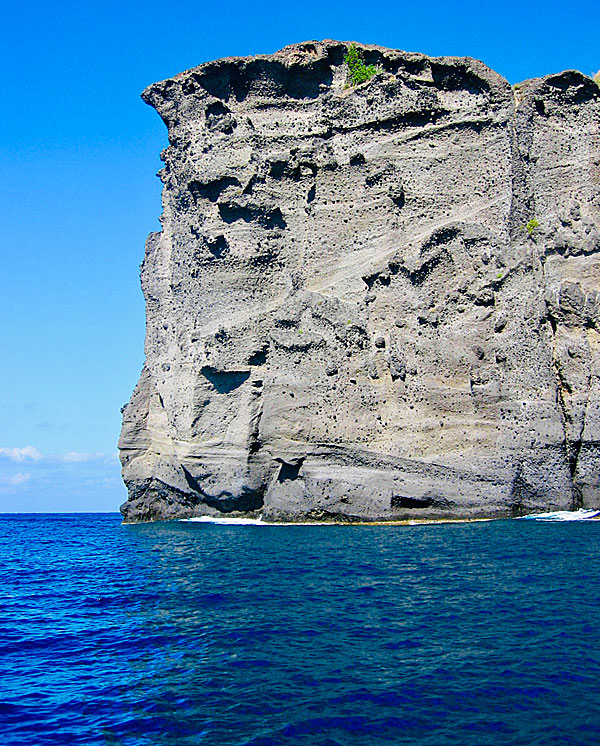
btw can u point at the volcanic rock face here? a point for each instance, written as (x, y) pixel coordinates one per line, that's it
(371, 302)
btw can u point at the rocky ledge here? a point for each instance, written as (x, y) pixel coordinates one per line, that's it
(373, 302)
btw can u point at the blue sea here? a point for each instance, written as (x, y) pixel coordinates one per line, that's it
(193, 633)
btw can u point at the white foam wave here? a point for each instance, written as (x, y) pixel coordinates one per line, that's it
(564, 515)
(225, 521)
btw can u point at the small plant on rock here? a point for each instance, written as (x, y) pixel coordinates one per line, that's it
(596, 77)
(358, 72)
(531, 226)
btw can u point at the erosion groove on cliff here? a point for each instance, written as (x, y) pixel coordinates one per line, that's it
(370, 303)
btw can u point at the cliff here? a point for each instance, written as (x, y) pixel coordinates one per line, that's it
(370, 302)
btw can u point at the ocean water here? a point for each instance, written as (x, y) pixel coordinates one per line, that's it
(195, 633)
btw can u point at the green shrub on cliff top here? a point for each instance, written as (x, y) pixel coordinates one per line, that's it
(597, 77)
(358, 72)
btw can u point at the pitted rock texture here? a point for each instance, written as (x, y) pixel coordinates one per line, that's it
(347, 315)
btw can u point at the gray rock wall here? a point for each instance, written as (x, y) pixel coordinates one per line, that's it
(346, 313)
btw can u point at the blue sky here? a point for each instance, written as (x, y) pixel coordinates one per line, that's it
(78, 192)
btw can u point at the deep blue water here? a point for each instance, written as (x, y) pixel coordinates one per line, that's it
(177, 634)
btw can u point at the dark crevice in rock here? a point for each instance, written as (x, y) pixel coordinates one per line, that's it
(218, 246)
(267, 257)
(230, 212)
(192, 483)
(572, 446)
(392, 125)
(299, 345)
(211, 190)
(518, 493)
(225, 381)
(441, 236)
(279, 169)
(574, 450)
(260, 356)
(220, 119)
(225, 502)
(420, 274)
(414, 502)
(254, 446)
(572, 87)
(396, 123)
(458, 78)
(371, 279)
(289, 471)
(282, 169)
(216, 109)
(403, 501)
(254, 440)
(567, 250)
(286, 323)
(226, 79)
(397, 196)
(522, 201)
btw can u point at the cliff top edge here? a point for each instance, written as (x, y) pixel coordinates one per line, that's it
(312, 53)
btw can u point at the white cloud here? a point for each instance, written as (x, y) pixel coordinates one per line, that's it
(111, 482)
(70, 480)
(16, 479)
(21, 454)
(78, 457)
(30, 453)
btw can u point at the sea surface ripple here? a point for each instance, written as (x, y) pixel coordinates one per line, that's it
(190, 633)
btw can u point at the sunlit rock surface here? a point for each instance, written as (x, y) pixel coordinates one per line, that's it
(370, 303)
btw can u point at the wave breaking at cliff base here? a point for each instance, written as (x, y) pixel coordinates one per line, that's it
(564, 515)
(250, 521)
